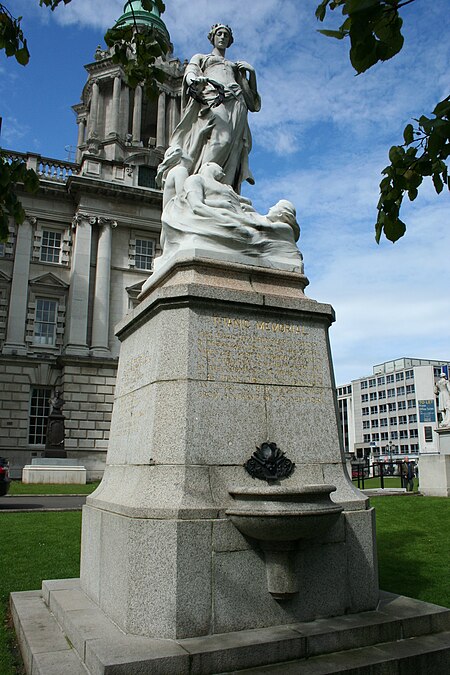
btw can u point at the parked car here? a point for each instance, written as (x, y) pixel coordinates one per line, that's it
(4, 476)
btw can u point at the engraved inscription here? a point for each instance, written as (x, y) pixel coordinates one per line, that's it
(260, 352)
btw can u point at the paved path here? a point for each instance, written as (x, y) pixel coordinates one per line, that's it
(42, 503)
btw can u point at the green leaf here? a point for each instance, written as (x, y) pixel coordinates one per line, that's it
(22, 56)
(437, 182)
(338, 34)
(408, 134)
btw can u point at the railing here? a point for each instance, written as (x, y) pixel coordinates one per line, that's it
(45, 167)
(362, 471)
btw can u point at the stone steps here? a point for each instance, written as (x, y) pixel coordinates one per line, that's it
(60, 630)
(427, 654)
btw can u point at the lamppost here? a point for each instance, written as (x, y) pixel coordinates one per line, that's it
(389, 449)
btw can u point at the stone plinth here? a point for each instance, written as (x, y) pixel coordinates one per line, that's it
(58, 471)
(434, 475)
(218, 358)
(444, 440)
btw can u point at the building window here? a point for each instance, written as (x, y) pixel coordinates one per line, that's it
(364, 384)
(428, 434)
(402, 419)
(409, 374)
(366, 424)
(391, 393)
(411, 404)
(372, 382)
(389, 379)
(403, 433)
(383, 408)
(383, 422)
(410, 389)
(382, 394)
(393, 421)
(365, 411)
(414, 447)
(145, 251)
(404, 449)
(45, 322)
(376, 437)
(394, 436)
(412, 418)
(39, 410)
(146, 177)
(374, 424)
(364, 398)
(373, 409)
(384, 435)
(380, 380)
(401, 405)
(413, 433)
(51, 246)
(373, 395)
(399, 377)
(392, 407)
(366, 438)
(400, 391)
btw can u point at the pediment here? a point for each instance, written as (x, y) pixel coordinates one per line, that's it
(49, 279)
(4, 277)
(135, 289)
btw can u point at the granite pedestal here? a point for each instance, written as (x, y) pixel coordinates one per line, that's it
(217, 359)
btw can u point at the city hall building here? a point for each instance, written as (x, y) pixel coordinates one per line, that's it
(76, 265)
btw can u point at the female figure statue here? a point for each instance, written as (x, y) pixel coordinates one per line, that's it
(217, 95)
(442, 390)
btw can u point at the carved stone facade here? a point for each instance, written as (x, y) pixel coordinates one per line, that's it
(76, 265)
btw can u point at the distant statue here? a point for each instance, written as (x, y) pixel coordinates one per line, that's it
(442, 389)
(55, 435)
(56, 403)
(217, 95)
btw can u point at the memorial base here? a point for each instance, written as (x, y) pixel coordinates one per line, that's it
(54, 470)
(434, 475)
(60, 630)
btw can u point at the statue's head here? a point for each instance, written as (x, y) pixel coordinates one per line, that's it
(213, 170)
(444, 375)
(284, 212)
(173, 156)
(217, 27)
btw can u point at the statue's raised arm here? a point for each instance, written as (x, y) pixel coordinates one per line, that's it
(217, 95)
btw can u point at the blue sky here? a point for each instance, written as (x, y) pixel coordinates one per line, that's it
(321, 140)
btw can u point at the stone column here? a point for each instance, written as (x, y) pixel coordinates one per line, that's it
(100, 322)
(18, 303)
(161, 121)
(76, 325)
(93, 114)
(125, 111)
(173, 114)
(137, 115)
(114, 129)
(81, 121)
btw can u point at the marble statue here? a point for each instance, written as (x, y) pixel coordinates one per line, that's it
(442, 389)
(217, 95)
(204, 214)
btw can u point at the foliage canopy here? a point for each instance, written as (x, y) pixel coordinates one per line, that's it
(374, 30)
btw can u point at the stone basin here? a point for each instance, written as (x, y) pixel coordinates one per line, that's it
(277, 517)
(271, 513)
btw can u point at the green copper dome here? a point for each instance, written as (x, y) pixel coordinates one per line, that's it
(133, 11)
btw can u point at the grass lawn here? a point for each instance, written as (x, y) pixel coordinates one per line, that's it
(413, 535)
(34, 546)
(18, 488)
